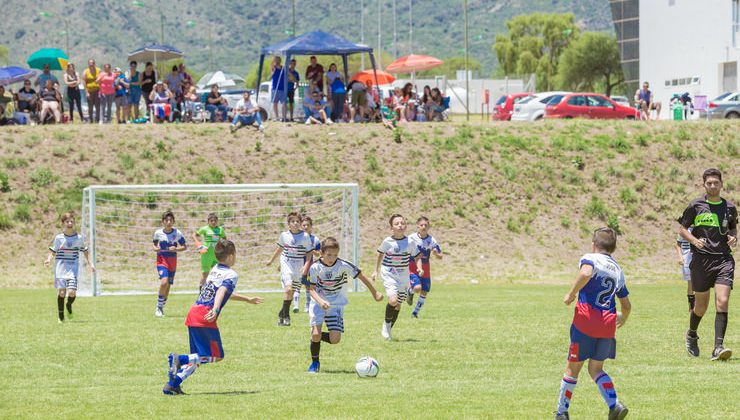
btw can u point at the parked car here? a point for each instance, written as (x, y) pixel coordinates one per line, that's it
(588, 105)
(725, 106)
(504, 107)
(533, 107)
(621, 100)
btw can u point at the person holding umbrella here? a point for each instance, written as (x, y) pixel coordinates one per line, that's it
(92, 90)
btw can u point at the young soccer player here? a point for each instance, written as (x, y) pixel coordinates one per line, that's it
(66, 248)
(294, 247)
(683, 249)
(307, 226)
(595, 322)
(327, 283)
(396, 252)
(205, 338)
(205, 239)
(428, 246)
(714, 220)
(167, 242)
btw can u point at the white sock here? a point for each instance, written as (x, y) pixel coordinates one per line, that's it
(419, 303)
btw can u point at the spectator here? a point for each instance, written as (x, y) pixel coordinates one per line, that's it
(358, 101)
(122, 85)
(50, 102)
(293, 79)
(92, 90)
(186, 77)
(6, 107)
(436, 106)
(27, 99)
(316, 109)
(148, 80)
(278, 87)
(72, 81)
(44, 76)
(106, 79)
(174, 81)
(160, 102)
(373, 110)
(338, 93)
(215, 102)
(397, 105)
(426, 102)
(246, 113)
(135, 89)
(408, 100)
(646, 102)
(315, 73)
(190, 98)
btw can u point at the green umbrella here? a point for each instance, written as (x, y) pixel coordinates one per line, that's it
(54, 57)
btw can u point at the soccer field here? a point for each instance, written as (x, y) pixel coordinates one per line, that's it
(484, 351)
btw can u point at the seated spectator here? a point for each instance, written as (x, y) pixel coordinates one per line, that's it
(436, 106)
(7, 109)
(408, 100)
(358, 100)
(215, 102)
(44, 76)
(646, 102)
(122, 85)
(50, 102)
(160, 103)
(246, 113)
(186, 77)
(425, 103)
(316, 109)
(27, 99)
(396, 104)
(190, 99)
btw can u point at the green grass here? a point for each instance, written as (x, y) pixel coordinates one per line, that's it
(493, 351)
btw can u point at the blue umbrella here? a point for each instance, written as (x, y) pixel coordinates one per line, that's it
(13, 74)
(155, 52)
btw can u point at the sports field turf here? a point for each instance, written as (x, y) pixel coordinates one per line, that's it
(484, 351)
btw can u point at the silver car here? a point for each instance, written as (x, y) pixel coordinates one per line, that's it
(533, 107)
(725, 106)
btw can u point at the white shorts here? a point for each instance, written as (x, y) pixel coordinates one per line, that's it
(686, 262)
(395, 281)
(334, 316)
(290, 274)
(70, 284)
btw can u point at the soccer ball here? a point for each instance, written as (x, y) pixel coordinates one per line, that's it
(367, 367)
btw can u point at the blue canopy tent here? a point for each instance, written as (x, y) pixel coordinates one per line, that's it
(314, 43)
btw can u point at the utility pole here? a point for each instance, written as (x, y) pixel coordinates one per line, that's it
(380, 38)
(411, 26)
(362, 32)
(467, 77)
(161, 26)
(395, 38)
(293, 34)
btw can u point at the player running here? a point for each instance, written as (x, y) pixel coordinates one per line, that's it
(683, 249)
(167, 242)
(307, 226)
(422, 284)
(205, 240)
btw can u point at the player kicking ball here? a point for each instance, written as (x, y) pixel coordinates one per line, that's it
(205, 338)
(327, 284)
(595, 322)
(422, 284)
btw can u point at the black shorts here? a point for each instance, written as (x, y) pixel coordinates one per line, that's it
(708, 270)
(291, 96)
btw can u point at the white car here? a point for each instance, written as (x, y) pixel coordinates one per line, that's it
(533, 108)
(621, 100)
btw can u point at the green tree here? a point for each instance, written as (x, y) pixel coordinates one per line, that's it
(591, 62)
(534, 45)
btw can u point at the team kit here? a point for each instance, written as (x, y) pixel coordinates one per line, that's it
(707, 232)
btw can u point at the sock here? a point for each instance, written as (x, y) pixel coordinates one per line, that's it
(691, 299)
(315, 349)
(286, 308)
(567, 386)
(308, 299)
(70, 301)
(296, 297)
(161, 301)
(325, 337)
(720, 326)
(60, 307)
(395, 317)
(694, 321)
(182, 374)
(389, 311)
(419, 303)
(410, 291)
(606, 387)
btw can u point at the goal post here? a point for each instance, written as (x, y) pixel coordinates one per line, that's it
(118, 222)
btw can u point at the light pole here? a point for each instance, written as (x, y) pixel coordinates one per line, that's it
(293, 34)
(467, 78)
(362, 32)
(395, 38)
(411, 26)
(380, 38)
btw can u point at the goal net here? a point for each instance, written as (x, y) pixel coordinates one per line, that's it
(118, 222)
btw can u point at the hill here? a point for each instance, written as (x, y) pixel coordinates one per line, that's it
(230, 32)
(509, 202)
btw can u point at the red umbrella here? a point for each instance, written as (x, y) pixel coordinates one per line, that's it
(413, 63)
(366, 76)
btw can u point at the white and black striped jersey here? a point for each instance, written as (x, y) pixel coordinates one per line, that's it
(331, 281)
(397, 253)
(684, 244)
(66, 251)
(295, 248)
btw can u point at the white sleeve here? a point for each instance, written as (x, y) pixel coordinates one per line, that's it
(281, 241)
(55, 244)
(384, 247)
(414, 248)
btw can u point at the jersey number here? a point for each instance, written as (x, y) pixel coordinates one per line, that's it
(602, 299)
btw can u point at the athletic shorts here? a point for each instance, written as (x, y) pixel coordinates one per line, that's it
(69, 283)
(708, 270)
(291, 96)
(290, 274)
(334, 316)
(686, 269)
(208, 261)
(425, 282)
(395, 281)
(278, 96)
(583, 347)
(165, 273)
(206, 342)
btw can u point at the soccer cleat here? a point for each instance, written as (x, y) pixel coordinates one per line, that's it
(562, 416)
(415, 314)
(721, 353)
(305, 309)
(172, 390)
(69, 310)
(286, 321)
(159, 313)
(60, 321)
(315, 367)
(410, 297)
(173, 360)
(385, 332)
(618, 412)
(296, 309)
(692, 344)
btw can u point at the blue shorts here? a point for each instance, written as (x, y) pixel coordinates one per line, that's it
(206, 342)
(426, 283)
(584, 347)
(278, 96)
(165, 273)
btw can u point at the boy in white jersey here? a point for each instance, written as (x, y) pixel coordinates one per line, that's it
(327, 283)
(307, 226)
(166, 242)
(683, 249)
(66, 248)
(294, 247)
(422, 284)
(396, 253)
(205, 338)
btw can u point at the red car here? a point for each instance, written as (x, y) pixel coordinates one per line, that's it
(588, 105)
(505, 105)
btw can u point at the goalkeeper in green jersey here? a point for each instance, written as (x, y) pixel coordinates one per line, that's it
(206, 239)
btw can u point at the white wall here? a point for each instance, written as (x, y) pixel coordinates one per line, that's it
(688, 39)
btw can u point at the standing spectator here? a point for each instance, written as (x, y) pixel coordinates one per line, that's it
(50, 101)
(135, 90)
(44, 76)
(92, 90)
(315, 73)
(106, 79)
(148, 80)
(278, 87)
(293, 79)
(215, 102)
(72, 81)
(359, 100)
(27, 99)
(6, 107)
(122, 85)
(337, 92)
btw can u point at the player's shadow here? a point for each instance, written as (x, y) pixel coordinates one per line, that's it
(339, 371)
(406, 340)
(226, 393)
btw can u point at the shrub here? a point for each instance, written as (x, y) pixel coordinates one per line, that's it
(22, 213)
(6, 223)
(42, 177)
(597, 208)
(4, 182)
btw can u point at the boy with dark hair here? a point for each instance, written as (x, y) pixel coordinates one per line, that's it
(683, 249)
(167, 242)
(307, 226)
(209, 235)
(205, 338)
(714, 232)
(595, 322)
(422, 283)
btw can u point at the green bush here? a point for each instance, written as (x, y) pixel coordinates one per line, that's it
(42, 177)
(6, 223)
(4, 182)
(596, 208)
(22, 213)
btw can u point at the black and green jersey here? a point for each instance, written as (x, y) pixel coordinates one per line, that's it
(712, 222)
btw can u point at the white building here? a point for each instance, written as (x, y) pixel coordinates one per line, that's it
(683, 45)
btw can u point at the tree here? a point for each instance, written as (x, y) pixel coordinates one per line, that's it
(4, 55)
(534, 45)
(591, 63)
